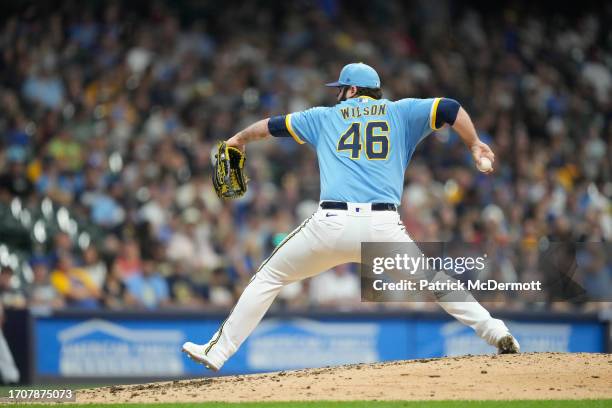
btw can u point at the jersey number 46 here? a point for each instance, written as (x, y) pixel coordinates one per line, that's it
(376, 140)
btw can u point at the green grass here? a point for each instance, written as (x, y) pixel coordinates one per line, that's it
(367, 404)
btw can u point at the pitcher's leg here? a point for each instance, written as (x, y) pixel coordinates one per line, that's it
(468, 311)
(473, 314)
(298, 257)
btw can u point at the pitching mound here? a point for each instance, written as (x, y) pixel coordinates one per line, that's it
(522, 376)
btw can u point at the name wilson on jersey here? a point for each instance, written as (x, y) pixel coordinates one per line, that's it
(360, 111)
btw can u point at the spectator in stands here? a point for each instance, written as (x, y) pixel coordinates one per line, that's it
(597, 268)
(114, 292)
(41, 293)
(105, 210)
(184, 292)
(45, 87)
(14, 181)
(128, 263)
(294, 296)
(74, 284)
(10, 294)
(149, 288)
(94, 266)
(220, 289)
(338, 287)
(66, 151)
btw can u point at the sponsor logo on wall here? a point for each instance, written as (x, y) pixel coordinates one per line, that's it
(460, 340)
(101, 348)
(301, 343)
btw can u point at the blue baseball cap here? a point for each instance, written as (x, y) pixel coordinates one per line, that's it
(357, 74)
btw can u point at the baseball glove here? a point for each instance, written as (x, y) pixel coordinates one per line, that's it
(228, 172)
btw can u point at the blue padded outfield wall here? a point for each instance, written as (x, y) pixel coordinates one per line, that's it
(112, 345)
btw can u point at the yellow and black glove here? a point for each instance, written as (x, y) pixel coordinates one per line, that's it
(228, 172)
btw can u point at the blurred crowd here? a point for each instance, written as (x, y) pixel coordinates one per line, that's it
(109, 111)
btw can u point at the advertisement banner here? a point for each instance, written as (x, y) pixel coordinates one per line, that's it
(82, 347)
(451, 338)
(283, 344)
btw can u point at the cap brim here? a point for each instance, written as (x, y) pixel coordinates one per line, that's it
(334, 84)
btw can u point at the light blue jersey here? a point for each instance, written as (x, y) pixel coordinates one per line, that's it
(364, 145)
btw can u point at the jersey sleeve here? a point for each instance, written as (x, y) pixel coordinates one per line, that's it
(304, 126)
(419, 116)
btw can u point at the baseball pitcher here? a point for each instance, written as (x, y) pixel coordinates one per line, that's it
(363, 144)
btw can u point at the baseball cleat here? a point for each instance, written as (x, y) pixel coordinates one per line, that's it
(508, 345)
(197, 354)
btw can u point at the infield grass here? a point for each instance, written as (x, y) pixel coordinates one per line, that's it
(366, 404)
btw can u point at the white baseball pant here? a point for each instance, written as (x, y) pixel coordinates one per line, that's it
(324, 240)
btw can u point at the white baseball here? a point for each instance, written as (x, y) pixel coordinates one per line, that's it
(484, 164)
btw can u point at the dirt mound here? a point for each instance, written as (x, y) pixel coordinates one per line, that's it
(522, 376)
